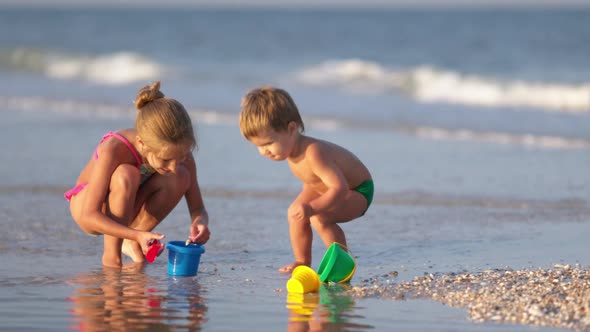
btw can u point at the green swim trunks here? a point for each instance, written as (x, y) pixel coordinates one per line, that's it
(366, 189)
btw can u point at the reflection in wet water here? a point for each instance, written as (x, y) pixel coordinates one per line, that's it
(328, 310)
(130, 300)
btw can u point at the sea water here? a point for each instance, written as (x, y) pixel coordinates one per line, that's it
(474, 125)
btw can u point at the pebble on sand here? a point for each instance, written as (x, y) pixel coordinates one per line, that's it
(557, 297)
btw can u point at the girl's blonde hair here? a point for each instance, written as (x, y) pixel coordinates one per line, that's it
(268, 107)
(162, 120)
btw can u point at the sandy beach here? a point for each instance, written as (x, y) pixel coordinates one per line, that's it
(556, 297)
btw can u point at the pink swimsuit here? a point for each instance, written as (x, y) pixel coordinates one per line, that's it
(146, 171)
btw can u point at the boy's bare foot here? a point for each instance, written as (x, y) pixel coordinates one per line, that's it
(289, 268)
(132, 250)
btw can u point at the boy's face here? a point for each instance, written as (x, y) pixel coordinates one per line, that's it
(274, 145)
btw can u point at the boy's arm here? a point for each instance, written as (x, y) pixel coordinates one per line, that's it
(323, 166)
(199, 229)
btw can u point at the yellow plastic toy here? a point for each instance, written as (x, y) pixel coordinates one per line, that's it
(303, 280)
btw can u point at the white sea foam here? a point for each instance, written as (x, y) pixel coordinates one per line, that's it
(108, 69)
(79, 108)
(102, 110)
(430, 84)
(66, 106)
(529, 140)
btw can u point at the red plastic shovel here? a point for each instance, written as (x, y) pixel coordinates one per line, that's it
(153, 251)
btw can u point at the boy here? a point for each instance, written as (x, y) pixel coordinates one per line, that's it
(337, 187)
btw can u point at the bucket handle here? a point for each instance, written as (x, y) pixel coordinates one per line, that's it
(351, 256)
(348, 250)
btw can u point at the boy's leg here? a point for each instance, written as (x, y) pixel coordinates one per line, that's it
(122, 191)
(350, 207)
(155, 200)
(300, 234)
(329, 232)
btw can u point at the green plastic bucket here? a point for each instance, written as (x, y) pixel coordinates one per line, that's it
(337, 265)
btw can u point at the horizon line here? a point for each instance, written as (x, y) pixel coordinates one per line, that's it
(301, 5)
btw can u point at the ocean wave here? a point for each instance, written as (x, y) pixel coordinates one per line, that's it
(528, 140)
(206, 116)
(89, 109)
(431, 84)
(66, 106)
(117, 68)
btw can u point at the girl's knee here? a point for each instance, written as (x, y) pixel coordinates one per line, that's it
(172, 185)
(183, 178)
(179, 183)
(125, 178)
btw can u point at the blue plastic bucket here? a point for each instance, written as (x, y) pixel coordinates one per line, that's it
(183, 260)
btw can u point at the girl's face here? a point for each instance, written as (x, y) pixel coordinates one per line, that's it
(167, 158)
(275, 145)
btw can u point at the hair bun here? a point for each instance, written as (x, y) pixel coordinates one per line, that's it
(148, 94)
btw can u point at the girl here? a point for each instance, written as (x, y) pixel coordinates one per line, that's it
(136, 176)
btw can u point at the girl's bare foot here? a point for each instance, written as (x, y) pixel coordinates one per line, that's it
(289, 268)
(132, 250)
(132, 267)
(108, 261)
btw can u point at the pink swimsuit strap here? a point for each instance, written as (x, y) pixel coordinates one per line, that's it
(122, 139)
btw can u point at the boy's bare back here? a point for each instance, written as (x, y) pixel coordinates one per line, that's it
(322, 156)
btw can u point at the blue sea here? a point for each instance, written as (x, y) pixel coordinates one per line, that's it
(474, 123)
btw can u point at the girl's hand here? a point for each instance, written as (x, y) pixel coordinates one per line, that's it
(199, 233)
(145, 240)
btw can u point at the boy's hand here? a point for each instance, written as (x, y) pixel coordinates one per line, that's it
(299, 211)
(145, 239)
(199, 233)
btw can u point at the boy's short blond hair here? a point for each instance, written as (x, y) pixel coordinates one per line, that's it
(268, 107)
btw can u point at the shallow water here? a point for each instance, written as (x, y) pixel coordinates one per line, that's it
(440, 206)
(51, 277)
(433, 212)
